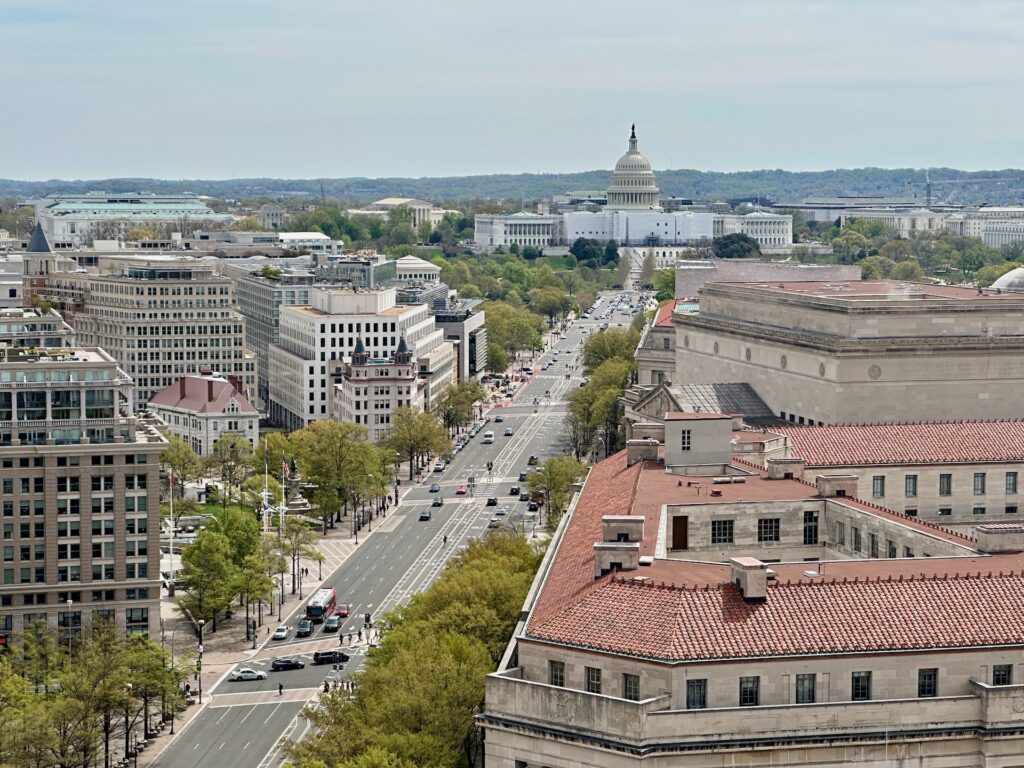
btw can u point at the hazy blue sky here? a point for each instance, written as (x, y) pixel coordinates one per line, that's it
(328, 88)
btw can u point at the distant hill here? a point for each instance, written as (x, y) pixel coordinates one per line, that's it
(1006, 186)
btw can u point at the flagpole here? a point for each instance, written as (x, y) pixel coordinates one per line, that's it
(171, 488)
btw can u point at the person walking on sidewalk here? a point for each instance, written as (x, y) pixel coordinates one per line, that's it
(280, 689)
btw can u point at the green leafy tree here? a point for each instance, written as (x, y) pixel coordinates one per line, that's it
(331, 455)
(209, 574)
(611, 252)
(555, 481)
(298, 541)
(183, 463)
(497, 360)
(876, 268)
(613, 343)
(907, 270)
(647, 269)
(735, 246)
(415, 435)
(232, 459)
(665, 284)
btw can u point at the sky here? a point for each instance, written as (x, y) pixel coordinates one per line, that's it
(377, 88)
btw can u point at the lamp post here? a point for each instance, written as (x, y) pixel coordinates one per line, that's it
(70, 603)
(199, 663)
(127, 730)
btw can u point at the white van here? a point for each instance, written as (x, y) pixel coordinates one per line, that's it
(488, 437)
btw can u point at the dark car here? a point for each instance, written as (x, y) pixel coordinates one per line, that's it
(524, 497)
(434, 488)
(279, 665)
(342, 609)
(513, 491)
(492, 501)
(425, 514)
(437, 502)
(498, 419)
(522, 477)
(304, 628)
(330, 657)
(533, 506)
(332, 623)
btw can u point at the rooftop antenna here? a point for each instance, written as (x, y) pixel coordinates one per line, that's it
(323, 196)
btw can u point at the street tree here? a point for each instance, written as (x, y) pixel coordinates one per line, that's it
(330, 455)
(555, 481)
(497, 360)
(613, 343)
(273, 450)
(208, 573)
(647, 269)
(735, 246)
(232, 459)
(665, 284)
(415, 435)
(297, 541)
(183, 463)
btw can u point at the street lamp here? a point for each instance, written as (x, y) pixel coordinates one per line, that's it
(199, 663)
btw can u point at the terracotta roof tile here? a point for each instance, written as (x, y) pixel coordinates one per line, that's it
(832, 617)
(201, 395)
(921, 443)
(663, 319)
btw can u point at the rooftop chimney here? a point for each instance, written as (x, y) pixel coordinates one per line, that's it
(750, 575)
(182, 386)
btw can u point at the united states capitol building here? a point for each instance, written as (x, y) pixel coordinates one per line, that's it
(630, 213)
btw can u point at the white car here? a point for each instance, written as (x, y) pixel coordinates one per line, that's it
(281, 633)
(246, 673)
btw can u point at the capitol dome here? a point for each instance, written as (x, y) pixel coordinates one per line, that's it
(633, 184)
(1011, 281)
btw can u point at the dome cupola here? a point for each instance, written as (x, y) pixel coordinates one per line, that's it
(633, 184)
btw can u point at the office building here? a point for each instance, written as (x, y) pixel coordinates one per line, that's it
(693, 611)
(362, 269)
(315, 341)
(161, 317)
(372, 388)
(692, 274)
(80, 494)
(34, 328)
(72, 221)
(272, 216)
(463, 323)
(202, 409)
(859, 351)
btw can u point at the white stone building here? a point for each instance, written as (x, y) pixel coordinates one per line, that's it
(202, 409)
(493, 230)
(415, 268)
(315, 341)
(770, 230)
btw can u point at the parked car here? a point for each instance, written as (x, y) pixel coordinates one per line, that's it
(533, 506)
(437, 502)
(330, 657)
(513, 491)
(332, 623)
(434, 488)
(492, 501)
(281, 633)
(460, 491)
(245, 673)
(304, 628)
(279, 665)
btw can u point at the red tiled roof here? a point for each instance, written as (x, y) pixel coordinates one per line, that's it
(830, 617)
(663, 319)
(694, 416)
(201, 395)
(923, 443)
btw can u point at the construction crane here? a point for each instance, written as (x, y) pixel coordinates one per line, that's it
(929, 182)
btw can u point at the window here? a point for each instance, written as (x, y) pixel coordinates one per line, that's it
(840, 534)
(805, 685)
(890, 548)
(556, 673)
(860, 686)
(630, 686)
(721, 531)
(873, 545)
(908, 552)
(696, 694)
(945, 511)
(810, 527)
(686, 440)
(910, 486)
(979, 483)
(1002, 674)
(979, 510)
(768, 529)
(1011, 509)
(945, 485)
(927, 683)
(910, 512)
(1011, 482)
(750, 691)
(878, 486)
(855, 535)
(593, 677)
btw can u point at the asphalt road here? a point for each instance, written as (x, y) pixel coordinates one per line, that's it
(247, 722)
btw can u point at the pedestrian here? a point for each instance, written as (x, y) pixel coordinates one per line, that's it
(350, 638)
(280, 689)
(360, 635)
(341, 639)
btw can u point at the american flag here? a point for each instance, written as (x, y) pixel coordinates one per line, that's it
(285, 474)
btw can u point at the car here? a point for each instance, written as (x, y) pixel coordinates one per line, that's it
(425, 514)
(279, 665)
(533, 506)
(246, 673)
(494, 523)
(522, 477)
(342, 609)
(434, 487)
(281, 633)
(492, 501)
(332, 623)
(304, 628)
(524, 497)
(498, 419)
(437, 502)
(460, 491)
(330, 657)
(508, 431)
(439, 467)
(532, 461)
(501, 511)
(545, 366)
(513, 491)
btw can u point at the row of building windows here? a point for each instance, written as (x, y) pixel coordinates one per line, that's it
(769, 529)
(945, 485)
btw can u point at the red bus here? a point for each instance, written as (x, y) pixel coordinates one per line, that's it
(321, 605)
